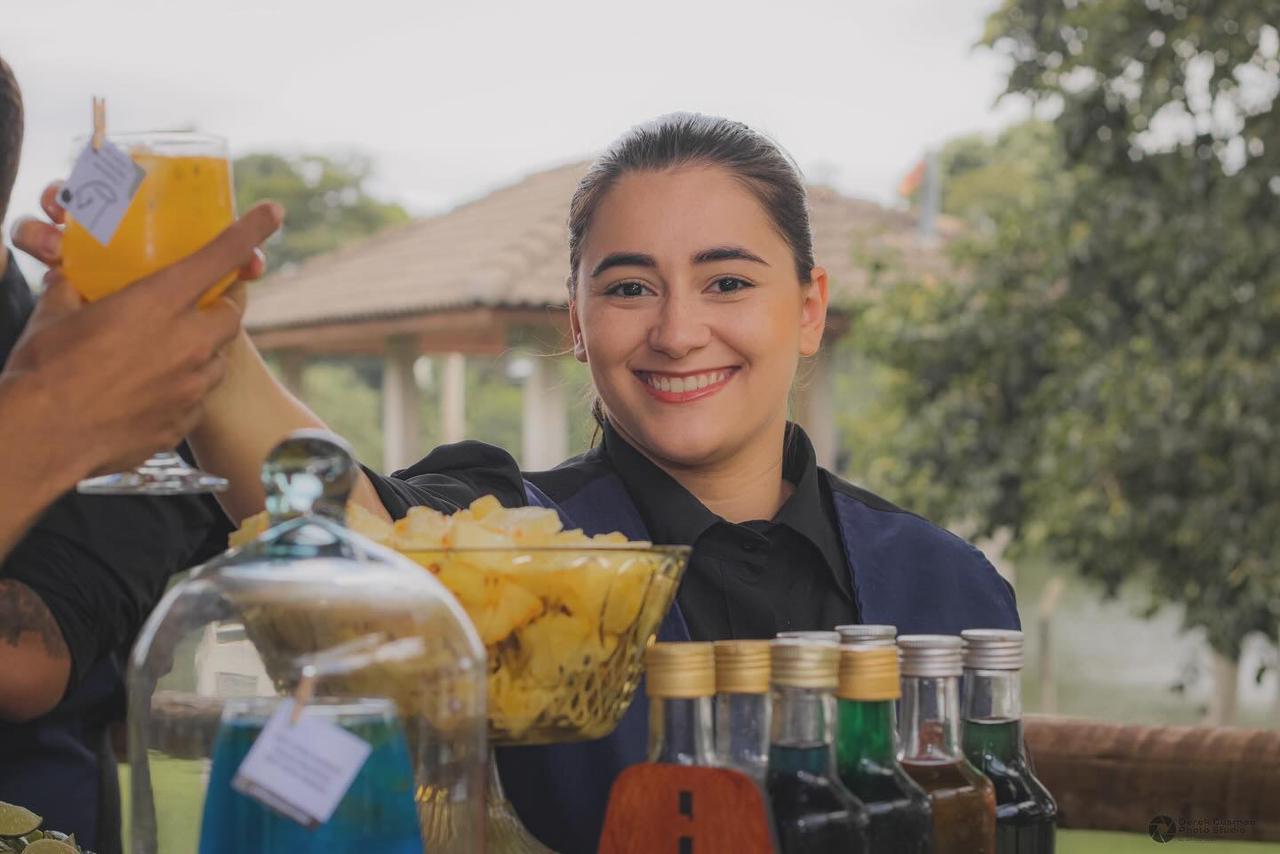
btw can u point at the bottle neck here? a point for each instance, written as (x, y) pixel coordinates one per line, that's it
(867, 732)
(800, 729)
(680, 730)
(931, 719)
(742, 731)
(993, 713)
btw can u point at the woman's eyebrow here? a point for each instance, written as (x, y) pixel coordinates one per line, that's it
(727, 253)
(624, 259)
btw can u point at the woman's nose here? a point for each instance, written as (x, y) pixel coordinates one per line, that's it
(679, 328)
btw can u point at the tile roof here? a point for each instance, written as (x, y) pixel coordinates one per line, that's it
(507, 249)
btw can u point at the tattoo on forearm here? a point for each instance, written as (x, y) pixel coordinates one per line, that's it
(21, 611)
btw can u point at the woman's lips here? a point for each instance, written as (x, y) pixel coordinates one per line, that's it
(683, 388)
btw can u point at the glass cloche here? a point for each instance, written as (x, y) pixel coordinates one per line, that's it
(309, 691)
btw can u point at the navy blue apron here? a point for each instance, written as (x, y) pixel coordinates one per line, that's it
(906, 572)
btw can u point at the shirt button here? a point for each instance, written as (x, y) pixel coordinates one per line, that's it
(750, 546)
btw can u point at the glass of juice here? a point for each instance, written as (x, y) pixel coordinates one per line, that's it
(378, 813)
(182, 203)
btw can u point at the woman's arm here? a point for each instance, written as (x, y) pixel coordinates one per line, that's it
(244, 418)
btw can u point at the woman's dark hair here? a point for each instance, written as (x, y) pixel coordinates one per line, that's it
(10, 133)
(692, 139)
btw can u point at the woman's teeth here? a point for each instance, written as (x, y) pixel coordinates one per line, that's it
(678, 385)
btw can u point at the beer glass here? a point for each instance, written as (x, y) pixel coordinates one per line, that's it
(182, 203)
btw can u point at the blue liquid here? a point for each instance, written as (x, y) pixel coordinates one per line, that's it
(814, 812)
(377, 814)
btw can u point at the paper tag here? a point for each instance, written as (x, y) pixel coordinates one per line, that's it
(100, 188)
(301, 769)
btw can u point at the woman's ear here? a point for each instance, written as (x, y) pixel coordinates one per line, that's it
(575, 329)
(813, 312)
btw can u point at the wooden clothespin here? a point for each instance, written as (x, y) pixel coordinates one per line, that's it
(99, 122)
(302, 695)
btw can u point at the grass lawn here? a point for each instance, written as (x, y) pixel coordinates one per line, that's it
(1096, 842)
(181, 782)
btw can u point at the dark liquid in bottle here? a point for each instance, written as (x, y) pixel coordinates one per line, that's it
(814, 813)
(964, 806)
(899, 818)
(1025, 811)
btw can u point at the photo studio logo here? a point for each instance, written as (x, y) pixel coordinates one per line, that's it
(1163, 828)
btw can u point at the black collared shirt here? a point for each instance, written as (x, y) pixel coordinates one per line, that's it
(748, 580)
(751, 579)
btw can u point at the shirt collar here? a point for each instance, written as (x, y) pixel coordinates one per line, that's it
(673, 515)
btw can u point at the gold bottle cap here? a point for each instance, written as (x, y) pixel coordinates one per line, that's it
(801, 663)
(869, 673)
(742, 667)
(680, 670)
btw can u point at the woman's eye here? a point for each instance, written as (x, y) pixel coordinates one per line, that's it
(626, 289)
(730, 284)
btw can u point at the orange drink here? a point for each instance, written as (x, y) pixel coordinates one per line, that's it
(184, 201)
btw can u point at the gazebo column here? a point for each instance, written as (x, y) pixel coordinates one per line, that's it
(815, 409)
(401, 404)
(453, 398)
(545, 430)
(292, 362)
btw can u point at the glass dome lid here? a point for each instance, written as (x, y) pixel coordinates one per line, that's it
(309, 691)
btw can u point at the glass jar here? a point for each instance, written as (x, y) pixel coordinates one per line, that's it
(308, 621)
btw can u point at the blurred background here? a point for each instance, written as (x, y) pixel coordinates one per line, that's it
(1051, 228)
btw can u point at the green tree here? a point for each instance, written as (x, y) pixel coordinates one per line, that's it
(325, 198)
(1103, 379)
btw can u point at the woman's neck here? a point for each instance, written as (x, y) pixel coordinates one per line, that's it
(747, 486)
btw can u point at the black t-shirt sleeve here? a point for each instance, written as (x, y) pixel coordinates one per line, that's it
(101, 563)
(450, 478)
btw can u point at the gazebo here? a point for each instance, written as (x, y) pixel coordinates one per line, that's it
(488, 277)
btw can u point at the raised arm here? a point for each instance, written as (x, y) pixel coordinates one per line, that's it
(243, 419)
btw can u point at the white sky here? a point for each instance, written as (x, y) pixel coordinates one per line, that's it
(452, 99)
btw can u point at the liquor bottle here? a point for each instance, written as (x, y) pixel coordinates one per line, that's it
(962, 799)
(742, 706)
(992, 737)
(680, 679)
(867, 752)
(813, 811)
(868, 634)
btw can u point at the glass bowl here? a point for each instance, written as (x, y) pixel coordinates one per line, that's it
(564, 629)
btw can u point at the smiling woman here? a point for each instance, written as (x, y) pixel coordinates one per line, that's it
(694, 294)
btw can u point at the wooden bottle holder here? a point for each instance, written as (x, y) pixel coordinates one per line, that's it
(677, 809)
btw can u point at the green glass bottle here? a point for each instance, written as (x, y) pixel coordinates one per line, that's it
(900, 819)
(962, 799)
(1026, 813)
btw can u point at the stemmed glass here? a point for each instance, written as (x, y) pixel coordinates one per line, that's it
(182, 203)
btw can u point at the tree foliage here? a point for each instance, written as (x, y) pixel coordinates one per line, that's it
(326, 200)
(1104, 379)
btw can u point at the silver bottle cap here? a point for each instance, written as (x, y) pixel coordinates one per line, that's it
(823, 637)
(931, 656)
(992, 649)
(867, 635)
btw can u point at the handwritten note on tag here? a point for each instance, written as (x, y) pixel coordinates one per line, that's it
(301, 769)
(102, 184)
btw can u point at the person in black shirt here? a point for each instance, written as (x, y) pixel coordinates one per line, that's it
(693, 295)
(81, 392)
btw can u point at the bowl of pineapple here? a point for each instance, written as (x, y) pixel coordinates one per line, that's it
(564, 617)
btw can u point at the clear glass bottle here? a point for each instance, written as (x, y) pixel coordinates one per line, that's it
(820, 636)
(867, 752)
(1026, 813)
(680, 679)
(813, 811)
(742, 706)
(309, 621)
(962, 799)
